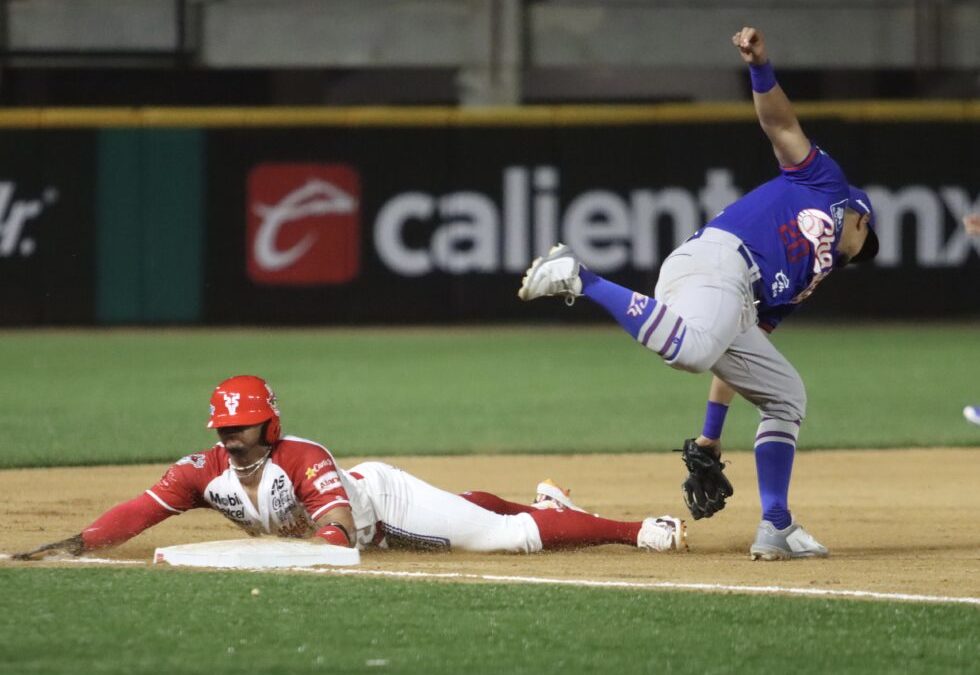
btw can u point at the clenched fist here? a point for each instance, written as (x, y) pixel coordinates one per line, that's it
(751, 45)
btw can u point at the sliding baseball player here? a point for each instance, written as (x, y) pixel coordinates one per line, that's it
(267, 483)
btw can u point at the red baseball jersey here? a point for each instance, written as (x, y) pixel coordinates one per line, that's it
(300, 482)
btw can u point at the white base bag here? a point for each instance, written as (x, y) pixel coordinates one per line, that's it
(256, 553)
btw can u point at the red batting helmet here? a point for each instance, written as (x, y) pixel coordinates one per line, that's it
(245, 400)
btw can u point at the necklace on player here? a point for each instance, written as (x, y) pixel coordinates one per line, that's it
(246, 471)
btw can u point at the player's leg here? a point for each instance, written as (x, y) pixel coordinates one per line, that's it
(569, 531)
(556, 528)
(564, 528)
(756, 370)
(495, 504)
(709, 285)
(549, 495)
(698, 308)
(419, 515)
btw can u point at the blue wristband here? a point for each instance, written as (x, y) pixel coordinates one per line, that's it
(763, 77)
(714, 420)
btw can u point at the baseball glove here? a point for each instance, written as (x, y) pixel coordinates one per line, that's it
(706, 487)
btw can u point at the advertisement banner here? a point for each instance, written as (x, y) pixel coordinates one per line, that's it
(339, 225)
(47, 227)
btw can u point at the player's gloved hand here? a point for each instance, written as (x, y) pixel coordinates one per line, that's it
(70, 546)
(706, 487)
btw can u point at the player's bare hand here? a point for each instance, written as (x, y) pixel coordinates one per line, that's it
(971, 222)
(751, 44)
(70, 546)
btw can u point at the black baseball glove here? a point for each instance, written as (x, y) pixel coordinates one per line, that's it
(706, 487)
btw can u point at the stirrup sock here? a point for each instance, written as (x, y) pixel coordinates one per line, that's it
(649, 321)
(775, 446)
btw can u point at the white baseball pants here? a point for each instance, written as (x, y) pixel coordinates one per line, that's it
(418, 515)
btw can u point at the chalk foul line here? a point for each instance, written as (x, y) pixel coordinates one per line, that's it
(588, 583)
(663, 585)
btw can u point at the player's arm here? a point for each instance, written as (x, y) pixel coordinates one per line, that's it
(336, 527)
(720, 396)
(706, 488)
(117, 525)
(321, 491)
(773, 109)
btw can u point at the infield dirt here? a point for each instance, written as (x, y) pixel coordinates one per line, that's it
(897, 521)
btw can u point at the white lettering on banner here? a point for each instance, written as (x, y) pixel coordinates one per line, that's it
(597, 227)
(676, 204)
(920, 206)
(474, 233)
(315, 198)
(607, 230)
(546, 211)
(467, 242)
(388, 226)
(14, 214)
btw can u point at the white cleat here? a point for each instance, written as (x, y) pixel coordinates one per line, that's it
(665, 533)
(972, 414)
(553, 274)
(552, 496)
(793, 542)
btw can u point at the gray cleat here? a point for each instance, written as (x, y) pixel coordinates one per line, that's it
(793, 542)
(553, 274)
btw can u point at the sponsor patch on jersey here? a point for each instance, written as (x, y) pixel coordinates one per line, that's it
(196, 460)
(818, 228)
(315, 469)
(780, 283)
(837, 211)
(327, 482)
(229, 504)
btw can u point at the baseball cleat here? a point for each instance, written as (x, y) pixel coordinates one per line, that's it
(552, 496)
(972, 414)
(664, 533)
(553, 274)
(792, 542)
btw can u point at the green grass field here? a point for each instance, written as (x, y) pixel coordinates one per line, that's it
(95, 397)
(125, 396)
(166, 621)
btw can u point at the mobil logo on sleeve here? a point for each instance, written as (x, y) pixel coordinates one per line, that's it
(303, 224)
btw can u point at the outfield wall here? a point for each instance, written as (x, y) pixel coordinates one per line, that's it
(327, 216)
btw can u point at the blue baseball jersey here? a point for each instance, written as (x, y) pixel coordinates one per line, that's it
(791, 226)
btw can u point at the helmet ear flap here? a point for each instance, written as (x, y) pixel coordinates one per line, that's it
(273, 429)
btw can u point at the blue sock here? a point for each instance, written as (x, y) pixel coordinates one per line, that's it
(775, 446)
(648, 321)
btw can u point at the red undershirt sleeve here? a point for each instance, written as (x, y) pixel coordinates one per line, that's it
(124, 521)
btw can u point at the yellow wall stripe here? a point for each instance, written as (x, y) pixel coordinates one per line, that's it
(872, 111)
